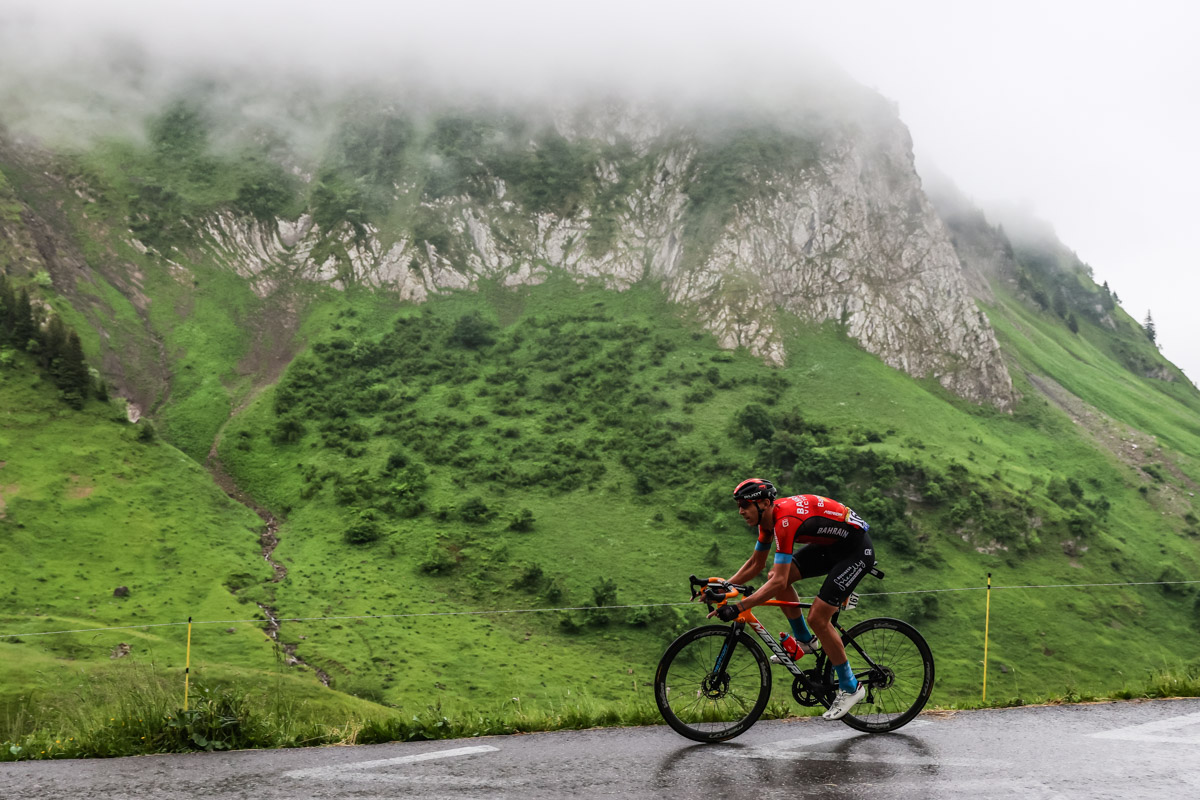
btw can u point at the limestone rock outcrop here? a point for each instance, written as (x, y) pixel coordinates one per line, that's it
(848, 237)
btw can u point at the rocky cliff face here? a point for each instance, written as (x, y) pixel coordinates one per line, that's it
(819, 215)
(847, 235)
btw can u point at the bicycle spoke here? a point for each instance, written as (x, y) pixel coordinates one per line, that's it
(704, 704)
(898, 684)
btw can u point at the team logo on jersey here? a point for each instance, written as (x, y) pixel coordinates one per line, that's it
(784, 522)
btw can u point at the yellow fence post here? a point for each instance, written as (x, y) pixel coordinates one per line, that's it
(187, 667)
(987, 616)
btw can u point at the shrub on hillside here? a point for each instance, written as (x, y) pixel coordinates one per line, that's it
(472, 331)
(1174, 580)
(604, 592)
(1080, 524)
(555, 589)
(436, 560)
(522, 521)
(530, 578)
(287, 431)
(475, 511)
(920, 607)
(755, 422)
(362, 531)
(145, 431)
(345, 494)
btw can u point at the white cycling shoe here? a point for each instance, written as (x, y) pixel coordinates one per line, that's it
(844, 701)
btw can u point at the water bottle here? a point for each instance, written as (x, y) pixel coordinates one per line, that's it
(791, 646)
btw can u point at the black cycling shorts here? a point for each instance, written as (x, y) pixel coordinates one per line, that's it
(844, 563)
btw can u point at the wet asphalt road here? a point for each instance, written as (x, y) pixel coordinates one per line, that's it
(1133, 750)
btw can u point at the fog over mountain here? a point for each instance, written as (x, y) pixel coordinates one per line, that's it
(1044, 108)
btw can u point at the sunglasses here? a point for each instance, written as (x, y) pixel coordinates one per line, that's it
(744, 503)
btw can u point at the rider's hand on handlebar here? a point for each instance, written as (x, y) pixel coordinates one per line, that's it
(726, 613)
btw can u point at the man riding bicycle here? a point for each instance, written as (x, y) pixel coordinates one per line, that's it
(836, 544)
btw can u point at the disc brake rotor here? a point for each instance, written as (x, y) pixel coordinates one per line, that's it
(714, 686)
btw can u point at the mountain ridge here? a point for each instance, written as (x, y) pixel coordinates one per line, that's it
(568, 353)
(827, 221)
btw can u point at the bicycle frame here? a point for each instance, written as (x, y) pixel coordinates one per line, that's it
(747, 618)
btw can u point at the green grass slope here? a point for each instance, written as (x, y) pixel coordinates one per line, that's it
(408, 458)
(89, 506)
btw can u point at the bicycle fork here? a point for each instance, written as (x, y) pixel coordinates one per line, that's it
(727, 649)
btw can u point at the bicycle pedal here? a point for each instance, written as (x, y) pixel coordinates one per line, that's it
(850, 602)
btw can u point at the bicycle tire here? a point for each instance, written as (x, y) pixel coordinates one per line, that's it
(899, 686)
(701, 705)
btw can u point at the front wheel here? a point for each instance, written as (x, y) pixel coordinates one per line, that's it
(705, 703)
(895, 663)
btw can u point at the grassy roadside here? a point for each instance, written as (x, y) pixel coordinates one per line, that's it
(135, 711)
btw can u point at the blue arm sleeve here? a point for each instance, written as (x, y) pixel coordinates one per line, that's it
(761, 545)
(783, 558)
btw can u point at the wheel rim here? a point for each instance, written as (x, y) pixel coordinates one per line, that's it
(895, 687)
(708, 703)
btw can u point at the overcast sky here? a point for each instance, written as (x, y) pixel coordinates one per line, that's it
(1086, 113)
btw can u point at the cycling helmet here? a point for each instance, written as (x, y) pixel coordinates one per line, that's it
(754, 489)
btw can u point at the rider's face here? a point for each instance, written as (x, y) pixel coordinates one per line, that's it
(750, 512)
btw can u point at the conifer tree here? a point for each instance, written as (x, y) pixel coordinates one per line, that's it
(1148, 327)
(1060, 302)
(72, 374)
(24, 329)
(1107, 298)
(8, 310)
(54, 341)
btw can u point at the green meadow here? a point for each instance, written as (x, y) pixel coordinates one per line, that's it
(488, 505)
(403, 455)
(572, 449)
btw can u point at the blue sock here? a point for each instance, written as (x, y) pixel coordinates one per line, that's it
(800, 629)
(846, 680)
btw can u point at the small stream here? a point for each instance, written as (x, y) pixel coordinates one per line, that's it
(269, 539)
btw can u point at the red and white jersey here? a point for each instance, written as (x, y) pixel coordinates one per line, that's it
(808, 519)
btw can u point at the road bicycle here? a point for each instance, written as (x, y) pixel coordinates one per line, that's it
(714, 681)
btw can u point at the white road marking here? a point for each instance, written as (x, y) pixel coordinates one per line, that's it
(1156, 731)
(354, 772)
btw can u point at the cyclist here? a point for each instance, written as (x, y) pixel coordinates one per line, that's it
(836, 544)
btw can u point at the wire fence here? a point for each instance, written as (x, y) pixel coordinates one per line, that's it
(561, 609)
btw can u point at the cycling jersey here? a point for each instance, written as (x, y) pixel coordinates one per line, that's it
(809, 519)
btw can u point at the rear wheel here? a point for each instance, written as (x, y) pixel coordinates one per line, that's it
(706, 705)
(900, 679)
